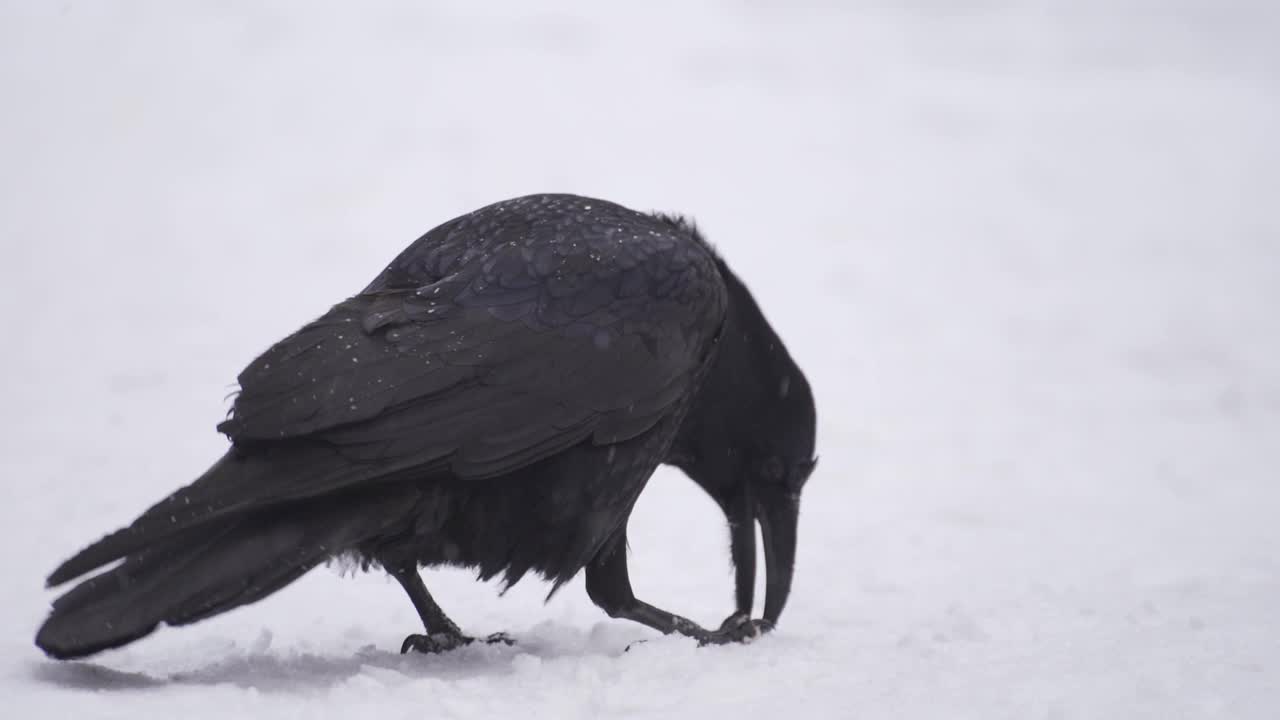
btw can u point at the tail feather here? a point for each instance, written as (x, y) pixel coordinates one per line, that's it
(151, 562)
(235, 485)
(215, 568)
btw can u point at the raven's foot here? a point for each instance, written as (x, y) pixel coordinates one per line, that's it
(500, 637)
(434, 644)
(737, 628)
(437, 643)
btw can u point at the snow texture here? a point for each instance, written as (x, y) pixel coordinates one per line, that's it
(1028, 253)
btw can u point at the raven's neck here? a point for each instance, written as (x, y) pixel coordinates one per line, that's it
(736, 388)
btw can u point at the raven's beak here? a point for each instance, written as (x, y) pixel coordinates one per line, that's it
(779, 514)
(741, 513)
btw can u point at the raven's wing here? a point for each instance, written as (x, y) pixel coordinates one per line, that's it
(527, 347)
(495, 340)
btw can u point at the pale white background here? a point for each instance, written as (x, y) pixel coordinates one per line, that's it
(1028, 254)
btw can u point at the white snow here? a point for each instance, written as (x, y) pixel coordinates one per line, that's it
(1028, 254)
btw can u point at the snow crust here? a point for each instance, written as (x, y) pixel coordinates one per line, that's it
(1027, 252)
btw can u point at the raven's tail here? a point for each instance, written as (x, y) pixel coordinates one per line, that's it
(214, 566)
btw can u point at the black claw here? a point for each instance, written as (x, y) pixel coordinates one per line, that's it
(736, 628)
(434, 644)
(444, 642)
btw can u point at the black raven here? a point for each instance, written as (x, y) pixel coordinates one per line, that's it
(496, 398)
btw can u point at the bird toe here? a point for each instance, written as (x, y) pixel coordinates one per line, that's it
(434, 644)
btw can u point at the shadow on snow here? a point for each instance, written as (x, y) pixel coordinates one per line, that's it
(281, 671)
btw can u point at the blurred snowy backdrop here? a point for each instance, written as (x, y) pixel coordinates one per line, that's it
(1028, 253)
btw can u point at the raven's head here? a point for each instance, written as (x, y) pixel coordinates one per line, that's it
(748, 440)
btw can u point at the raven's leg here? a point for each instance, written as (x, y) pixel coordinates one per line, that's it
(443, 634)
(609, 586)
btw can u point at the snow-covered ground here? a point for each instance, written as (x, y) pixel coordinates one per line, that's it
(1028, 253)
